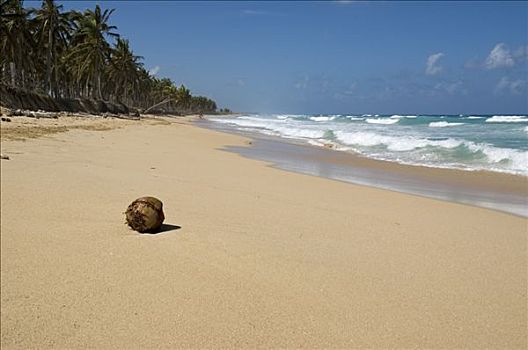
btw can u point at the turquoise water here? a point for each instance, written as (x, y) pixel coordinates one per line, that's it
(468, 142)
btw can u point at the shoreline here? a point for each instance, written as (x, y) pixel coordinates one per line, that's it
(253, 256)
(503, 192)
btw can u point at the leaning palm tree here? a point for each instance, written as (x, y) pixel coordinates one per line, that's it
(91, 50)
(53, 30)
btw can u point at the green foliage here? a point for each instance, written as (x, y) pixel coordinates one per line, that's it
(80, 55)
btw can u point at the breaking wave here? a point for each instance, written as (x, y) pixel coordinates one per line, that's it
(384, 121)
(443, 124)
(508, 119)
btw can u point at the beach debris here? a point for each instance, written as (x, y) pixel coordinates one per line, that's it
(32, 114)
(145, 214)
(4, 157)
(6, 119)
(109, 115)
(5, 111)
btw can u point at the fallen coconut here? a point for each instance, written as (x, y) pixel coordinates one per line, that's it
(145, 214)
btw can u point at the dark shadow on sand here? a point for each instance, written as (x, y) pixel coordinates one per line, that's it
(168, 227)
(164, 229)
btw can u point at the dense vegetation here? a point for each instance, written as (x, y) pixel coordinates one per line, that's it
(80, 55)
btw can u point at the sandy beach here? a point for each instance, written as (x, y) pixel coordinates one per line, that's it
(250, 256)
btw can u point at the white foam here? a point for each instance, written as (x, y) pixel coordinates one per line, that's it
(507, 119)
(385, 121)
(354, 118)
(396, 116)
(515, 160)
(443, 124)
(498, 159)
(288, 116)
(322, 119)
(475, 117)
(300, 133)
(393, 143)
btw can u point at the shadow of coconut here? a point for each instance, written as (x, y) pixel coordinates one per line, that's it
(163, 229)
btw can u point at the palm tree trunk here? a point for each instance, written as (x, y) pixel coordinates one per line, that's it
(125, 85)
(99, 93)
(47, 83)
(13, 72)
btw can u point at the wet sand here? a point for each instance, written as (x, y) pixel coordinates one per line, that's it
(251, 256)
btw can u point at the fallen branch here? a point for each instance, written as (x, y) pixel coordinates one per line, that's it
(158, 104)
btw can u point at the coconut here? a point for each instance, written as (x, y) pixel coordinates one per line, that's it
(145, 214)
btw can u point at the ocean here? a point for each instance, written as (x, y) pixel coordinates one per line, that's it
(497, 143)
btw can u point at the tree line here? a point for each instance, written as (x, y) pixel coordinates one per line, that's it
(72, 54)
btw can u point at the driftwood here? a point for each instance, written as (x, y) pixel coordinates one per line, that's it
(121, 116)
(127, 117)
(167, 100)
(31, 114)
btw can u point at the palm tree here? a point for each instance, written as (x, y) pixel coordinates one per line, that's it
(16, 41)
(144, 94)
(53, 29)
(90, 50)
(123, 70)
(183, 96)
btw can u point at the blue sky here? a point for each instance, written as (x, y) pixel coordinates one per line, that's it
(336, 56)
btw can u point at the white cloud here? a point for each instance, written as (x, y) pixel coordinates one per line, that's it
(154, 70)
(432, 66)
(514, 87)
(499, 57)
